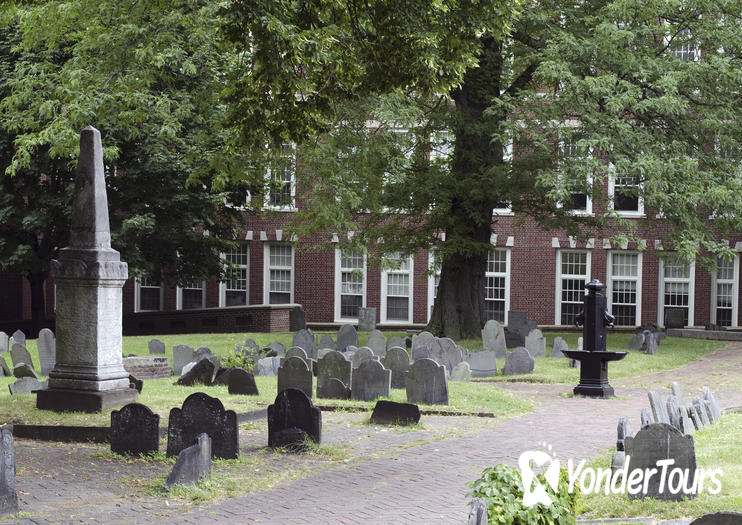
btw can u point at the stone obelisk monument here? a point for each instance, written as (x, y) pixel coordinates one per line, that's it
(89, 375)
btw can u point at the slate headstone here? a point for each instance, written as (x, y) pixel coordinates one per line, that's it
(651, 342)
(221, 377)
(426, 383)
(674, 318)
(268, 366)
(4, 342)
(376, 341)
(361, 355)
(275, 349)
(708, 395)
(461, 372)
(701, 409)
(393, 413)
(558, 346)
(305, 339)
(695, 417)
(8, 494)
(516, 319)
(182, 355)
(156, 346)
(19, 337)
(333, 364)
(26, 385)
(422, 339)
(526, 329)
(519, 361)
(251, 345)
(193, 463)
(673, 411)
(295, 373)
(4, 369)
(646, 417)
(493, 338)
(636, 342)
(135, 383)
(707, 404)
(322, 352)
(135, 429)
(659, 412)
(421, 352)
(19, 354)
(326, 341)
(297, 319)
(202, 373)
(483, 363)
(623, 430)
(293, 410)
(725, 517)
(677, 392)
(397, 341)
(202, 413)
(477, 512)
(24, 370)
(536, 343)
(366, 319)
(205, 352)
(347, 336)
(398, 361)
(333, 388)
(447, 353)
(618, 460)
(47, 346)
(370, 381)
(241, 382)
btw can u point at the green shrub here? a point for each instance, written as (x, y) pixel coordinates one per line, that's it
(501, 489)
(243, 359)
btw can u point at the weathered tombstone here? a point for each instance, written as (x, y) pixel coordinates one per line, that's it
(396, 341)
(422, 339)
(182, 355)
(333, 364)
(493, 338)
(296, 351)
(202, 413)
(516, 319)
(376, 341)
(242, 382)
(361, 355)
(221, 377)
(205, 352)
(461, 372)
(291, 418)
(659, 442)
(536, 343)
(135, 429)
(519, 361)
(26, 385)
(618, 460)
(366, 319)
(701, 409)
(8, 494)
(526, 329)
(708, 395)
(674, 318)
(370, 381)
(659, 413)
(251, 345)
(326, 341)
(135, 383)
(477, 512)
(19, 354)
(646, 417)
(4, 369)
(193, 463)
(636, 342)
(19, 337)
(347, 336)
(725, 517)
(392, 413)
(24, 370)
(202, 372)
(673, 411)
(305, 339)
(268, 366)
(295, 373)
(558, 347)
(3, 342)
(398, 361)
(333, 388)
(482, 363)
(322, 352)
(707, 404)
(421, 352)
(622, 432)
(156, 346)
(426, 383)
(275, 349)
(677, 392)
(447, 353)
(297, 319)
(47, 346)
(694, 416)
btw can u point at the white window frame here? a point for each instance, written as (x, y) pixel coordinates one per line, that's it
(612, 197)
(507, 155)
(637, 279)
(691, 280)
(270, 187)
(246, 268)
(506, 275)
(179, 296)
(588, 196)
(560, 277)
(339, 285)
(677, 53)
(411, 292)
(137, 295)
(267, 271)
(434, 274)
(735, 292)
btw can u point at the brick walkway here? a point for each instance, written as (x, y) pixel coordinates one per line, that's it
(399, 477)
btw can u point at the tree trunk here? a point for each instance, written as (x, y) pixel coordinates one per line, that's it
(38, 301)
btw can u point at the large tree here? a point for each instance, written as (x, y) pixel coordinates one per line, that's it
(578, 92)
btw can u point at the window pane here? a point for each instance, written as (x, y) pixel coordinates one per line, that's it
(192, 298)
(149, 298)
(397, 308)
(350, 305)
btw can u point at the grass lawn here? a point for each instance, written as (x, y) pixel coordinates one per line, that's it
(717, 447)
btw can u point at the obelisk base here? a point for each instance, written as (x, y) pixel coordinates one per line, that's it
(66, 400)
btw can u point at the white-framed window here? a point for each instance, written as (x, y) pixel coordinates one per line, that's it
(190, 296)
(434, 279)
(234, 291)
(350, 283)
(278, 285)
(580, 199)
(724, 292)
(684, 47)
(281, 189)
(147, 294)
(497, 285)
(572, 273)
(396, 291)
(624, 287)
(676, 287)
(624, 192)
(505, 207)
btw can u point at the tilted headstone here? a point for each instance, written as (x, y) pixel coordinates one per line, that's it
(295, 373)
(448, 353)
(333, 364)
(659, 412)
(725, 517)
(709, 410)
(558, 346)
(493, 338)
(392, 413)
(221, 377)
(24, 370)
(398, 361)
(519, 361)
(19, 337)
(483, 363)
(268, 366)
(8, 494)
(651, 342)
(646, 417)
(275, 349)
(396, 341)
(205, 352)
(623, 430)
(347, 336)
(19, 354)
(426, 383)
(182, 355)
(201, 373)
(701, 409)
(202, 413)
(4, 342)
(135, 429)
(156, 346)
(293, 411)
(658, 442)
(361, 355)
(636, 342)
(677, 392)
(708, 395)
(193, 463)
(326, 341)
(461, 372)
(297, 319)
(376, 341)
(333, 388)
(4, 368)
(305, 339)
(536, 343)
(242, 382)
(370, 381)
(694, 417)
(47, 346)
(26, 385)
(421, 352)
(477, 512)
(366, 319)
(673, 411)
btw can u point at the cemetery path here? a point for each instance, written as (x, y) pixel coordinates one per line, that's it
(399, 478)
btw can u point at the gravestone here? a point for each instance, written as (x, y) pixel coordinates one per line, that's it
(47, 346)
(516, 319)
(519, 361)
(202, 373)
(347, 336)
(392, 413)
(526, 329)
(659, 413)
(658, 442)
(422, 339)
(19, 354)
(446, 353)
(673, 411)
(19, 337)
(477, 512)
(366, 319)
(636, 342)
(361, 355)
(295, 373)
(135, 383)
(4, 369)
(674, 318)
(202, 413)
(701, 409)
(421, 352)
(677, 392)
(536, 343)
(708, 395)
(493, 338)
(376, 341)
(707, 404)
(297, 319)
(398, 361)
(396, 341)
(8, 494)
(205, 352)
(370, 381)
(651, 342)
(483, 363)
(242, 382)
(26, 385)
(426, 383)
(252, 346)
(156, 346)
(291, 418)
(182, 355)
(646, 417)
(305, 339)
(694, 416)
(461, 372)
(333, 388)
(333, 365)
(193, 463)
(558, 347)
(275, 349)
(135, 429)
(322, 352)
(24, 370)
(4, 342)
(326, 341)
(618, 460)
(268, 366)
(622, 432)
(221, 377)
(725, 517)
(296, 351)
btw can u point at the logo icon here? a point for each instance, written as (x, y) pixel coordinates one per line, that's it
(533, 491)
